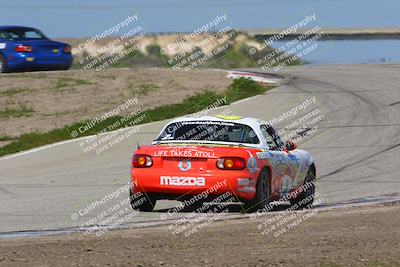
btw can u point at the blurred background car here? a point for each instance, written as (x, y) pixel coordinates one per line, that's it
(28, 49)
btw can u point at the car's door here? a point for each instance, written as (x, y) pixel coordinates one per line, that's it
(3, 40)
(285, 164)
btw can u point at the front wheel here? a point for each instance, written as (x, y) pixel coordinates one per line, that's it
(263, 193)
(305, 198)
(142, 202)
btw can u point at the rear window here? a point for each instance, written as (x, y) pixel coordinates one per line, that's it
(209, 131)
(21, 33)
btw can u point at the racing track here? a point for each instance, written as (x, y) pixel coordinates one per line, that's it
(357, 149)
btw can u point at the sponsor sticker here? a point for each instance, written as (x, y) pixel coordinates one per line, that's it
(264, 155)
(252, 165)
(184, 165)
(182, 181)
(208, 123)
(184, 153)
(3, 45)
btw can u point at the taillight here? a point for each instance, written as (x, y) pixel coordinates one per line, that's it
(231, 163)
(67, 49)
(141, 161)
(23, 49)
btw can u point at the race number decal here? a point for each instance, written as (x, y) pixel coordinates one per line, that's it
(2, 45)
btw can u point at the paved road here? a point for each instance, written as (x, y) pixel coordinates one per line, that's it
(356, 148)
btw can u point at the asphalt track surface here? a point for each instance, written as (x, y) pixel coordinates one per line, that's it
(356, 149)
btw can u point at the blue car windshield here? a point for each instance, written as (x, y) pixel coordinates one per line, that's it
(21, 34)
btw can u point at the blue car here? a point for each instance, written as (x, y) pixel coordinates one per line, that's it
(28, 49)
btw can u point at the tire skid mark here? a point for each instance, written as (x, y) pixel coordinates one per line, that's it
(358, 161)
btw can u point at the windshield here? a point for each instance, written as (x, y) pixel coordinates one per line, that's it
(209, 131)
(21, 33)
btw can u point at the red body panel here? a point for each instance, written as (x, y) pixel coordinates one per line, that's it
(183, 170)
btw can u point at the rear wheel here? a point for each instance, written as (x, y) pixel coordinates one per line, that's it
(263, 193)
(142, 202)
(3, 64)
(305, 198)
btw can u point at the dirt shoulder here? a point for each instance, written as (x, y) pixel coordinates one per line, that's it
(43, 101)
(366, 236)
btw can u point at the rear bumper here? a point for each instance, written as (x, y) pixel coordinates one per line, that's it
(22, 61)
(173, 185)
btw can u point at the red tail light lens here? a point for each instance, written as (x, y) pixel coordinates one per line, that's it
(67, 49)
(23, 49)
(231, 163)
(141, 161)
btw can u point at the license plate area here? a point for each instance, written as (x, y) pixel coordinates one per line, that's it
(184, 164)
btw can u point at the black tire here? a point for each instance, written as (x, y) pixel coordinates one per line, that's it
(3, 64)
(305, 198)
(263, 193)
(144, 202)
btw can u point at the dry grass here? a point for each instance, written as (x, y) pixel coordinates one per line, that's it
(64, 97)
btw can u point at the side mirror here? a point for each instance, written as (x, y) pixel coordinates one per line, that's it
(290, 145)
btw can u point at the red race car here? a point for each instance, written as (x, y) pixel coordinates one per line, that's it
(210, 156)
